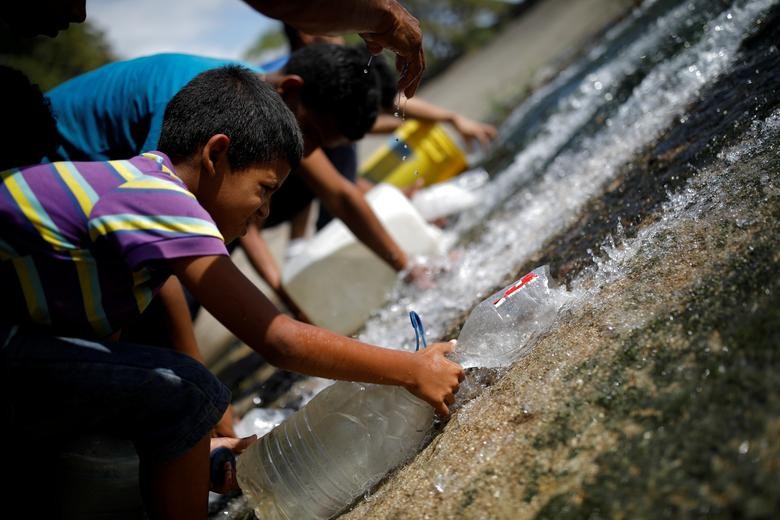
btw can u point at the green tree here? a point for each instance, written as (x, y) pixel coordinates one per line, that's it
(50, 61)
(268, 42)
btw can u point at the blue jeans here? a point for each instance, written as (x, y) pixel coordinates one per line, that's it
(54, 388)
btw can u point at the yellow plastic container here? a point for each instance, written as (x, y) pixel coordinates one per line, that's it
(430, 154)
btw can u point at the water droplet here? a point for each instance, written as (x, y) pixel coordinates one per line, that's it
(365, 71)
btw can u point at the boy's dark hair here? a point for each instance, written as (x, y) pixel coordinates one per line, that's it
(234, 101)
(29, 131)
(388, 82)
(335, 85)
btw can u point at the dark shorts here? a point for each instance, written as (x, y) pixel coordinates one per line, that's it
(58, 388)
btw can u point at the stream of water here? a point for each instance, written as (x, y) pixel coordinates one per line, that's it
(568, 157)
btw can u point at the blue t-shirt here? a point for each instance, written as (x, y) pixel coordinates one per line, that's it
(116, 111)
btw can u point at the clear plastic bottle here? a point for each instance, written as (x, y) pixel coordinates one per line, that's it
(501, 328)
(332, 450)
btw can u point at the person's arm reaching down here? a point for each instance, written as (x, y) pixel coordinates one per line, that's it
(381, 23)
(345, 201)
(292, 345)
(178, 319)
(263, 262)
(182, 337)
(469, 129)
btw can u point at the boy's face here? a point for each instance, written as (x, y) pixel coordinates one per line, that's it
(239, 197)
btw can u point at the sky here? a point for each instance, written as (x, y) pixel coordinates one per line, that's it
(219, 28)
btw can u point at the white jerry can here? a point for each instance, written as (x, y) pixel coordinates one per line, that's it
(338, 282)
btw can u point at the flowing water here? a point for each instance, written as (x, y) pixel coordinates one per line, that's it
(646, 175)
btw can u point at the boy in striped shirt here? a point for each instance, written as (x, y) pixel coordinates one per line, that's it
(85, 246)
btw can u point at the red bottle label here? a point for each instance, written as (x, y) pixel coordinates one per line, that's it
(522, 282)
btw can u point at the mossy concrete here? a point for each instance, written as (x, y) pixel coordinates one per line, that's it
(659, 399)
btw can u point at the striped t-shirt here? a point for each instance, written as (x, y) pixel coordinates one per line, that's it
(83, 246)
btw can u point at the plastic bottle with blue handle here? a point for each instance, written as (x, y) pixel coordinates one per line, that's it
(332, 450)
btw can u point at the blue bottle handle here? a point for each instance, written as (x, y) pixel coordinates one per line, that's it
(419, 330)
(217, 459)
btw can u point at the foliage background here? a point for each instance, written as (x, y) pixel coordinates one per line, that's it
(50, 61)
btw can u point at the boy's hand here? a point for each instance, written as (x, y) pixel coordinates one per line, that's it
(472, 130)
(420, 275)
(437, 378)
(228, 482)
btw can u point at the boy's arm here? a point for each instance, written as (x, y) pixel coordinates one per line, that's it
(381, 23)
(263, 262)
(182, 336)
(344, 201)
(291, 345)
(179, 320)
(385, 124)
(469, 129)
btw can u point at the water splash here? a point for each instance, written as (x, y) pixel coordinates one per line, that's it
(512, 228)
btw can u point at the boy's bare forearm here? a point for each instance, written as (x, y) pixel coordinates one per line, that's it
(179, 319)
(259, 255)
(285, 342)
(313, 350)
(289, 344)
(344, 200)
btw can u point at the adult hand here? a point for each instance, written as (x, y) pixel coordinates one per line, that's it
(402, 35)
(384, 24)
(438, 378)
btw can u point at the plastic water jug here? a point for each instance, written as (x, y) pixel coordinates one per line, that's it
(452, 196)
(332, 450)
(505, 325)
(338, 282)
(416, 150)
